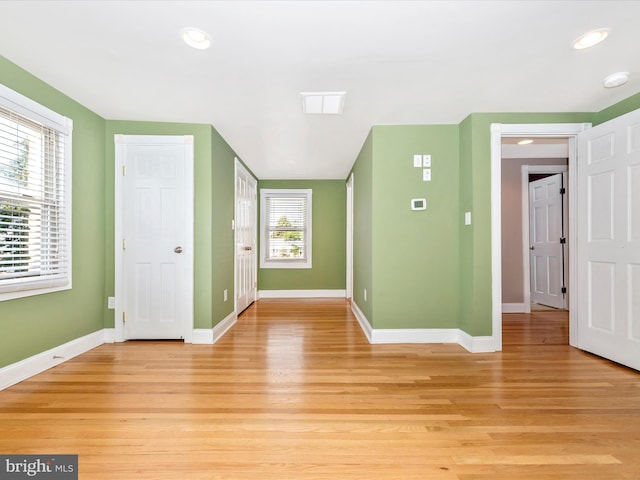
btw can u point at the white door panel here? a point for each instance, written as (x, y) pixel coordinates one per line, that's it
(157, 237)
(609, 240)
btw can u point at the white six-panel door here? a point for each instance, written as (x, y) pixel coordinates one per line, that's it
(547, 260)
(608, 244)
(156, 238)
(246, 218)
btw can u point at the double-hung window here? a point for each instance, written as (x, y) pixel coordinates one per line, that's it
(285, 221)
(35, 194)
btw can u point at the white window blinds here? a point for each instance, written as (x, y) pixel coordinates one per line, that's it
(34, 193)
(286, 228)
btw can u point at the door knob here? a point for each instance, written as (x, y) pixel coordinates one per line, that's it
(178, 249)
(531, 247)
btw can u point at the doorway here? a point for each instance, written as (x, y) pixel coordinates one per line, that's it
(498, 132)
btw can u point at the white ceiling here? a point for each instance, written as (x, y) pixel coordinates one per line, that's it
(401, 62)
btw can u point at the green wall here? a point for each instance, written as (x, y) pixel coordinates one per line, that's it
(33, 324)
(411, 273)
(329, 223)
(625, 106)
(363, 228)
(222, 238)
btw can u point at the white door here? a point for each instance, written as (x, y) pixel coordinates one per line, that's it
(155, 237)
(246, 216)
(608, 244)
(547, 211)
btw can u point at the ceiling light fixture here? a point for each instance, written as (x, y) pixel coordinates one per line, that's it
(196, 38)
(616, 79)
(525, 142)
(590, 39)
(324, 103)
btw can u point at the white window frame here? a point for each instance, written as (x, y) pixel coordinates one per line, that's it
(25, 107)
(264, 229)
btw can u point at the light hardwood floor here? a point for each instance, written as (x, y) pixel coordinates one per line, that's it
(294, 391)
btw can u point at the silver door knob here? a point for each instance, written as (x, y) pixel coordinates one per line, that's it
(178, 249)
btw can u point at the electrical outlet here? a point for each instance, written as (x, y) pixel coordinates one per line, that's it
(111, 303)
(225, 294)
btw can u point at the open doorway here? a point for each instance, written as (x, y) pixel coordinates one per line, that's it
(568, 133)
(534, 223)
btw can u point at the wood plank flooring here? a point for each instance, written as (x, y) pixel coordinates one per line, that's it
(294, 391)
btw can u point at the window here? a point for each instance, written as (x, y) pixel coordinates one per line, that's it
(285, 221)
(35, 193)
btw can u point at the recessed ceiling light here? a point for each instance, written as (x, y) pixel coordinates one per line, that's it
(616, 79)
(525, 142)
(196, 38)
(590, 39)
(326, 103)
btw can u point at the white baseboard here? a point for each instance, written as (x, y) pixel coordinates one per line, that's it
(366, 327)
(515, 308)
(302, 294)
(422, 335)
(19, 371)
(415, 335)
(476, 344)
(209, 336)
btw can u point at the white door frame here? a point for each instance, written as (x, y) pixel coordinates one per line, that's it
(119, 227)
(350, 237)
(526, 259)
(498, 130)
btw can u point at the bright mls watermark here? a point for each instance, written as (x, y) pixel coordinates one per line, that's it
(50, 467)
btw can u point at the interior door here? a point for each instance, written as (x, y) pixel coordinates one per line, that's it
(157, 236)
(246, 216)
(547, 211)
(608, 262)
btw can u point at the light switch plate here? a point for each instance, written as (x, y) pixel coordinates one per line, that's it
(417, 161)
(426, 160)
(426, 174)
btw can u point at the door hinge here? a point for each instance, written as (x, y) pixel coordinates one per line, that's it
(124, 243)
(564, 290)
(563, 191)
(563, 240)
(124, 170)
(124, 317)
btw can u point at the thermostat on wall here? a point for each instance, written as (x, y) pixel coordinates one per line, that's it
(418, 204)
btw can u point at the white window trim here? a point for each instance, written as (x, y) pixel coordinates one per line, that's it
(284, 263)
(28, 108)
